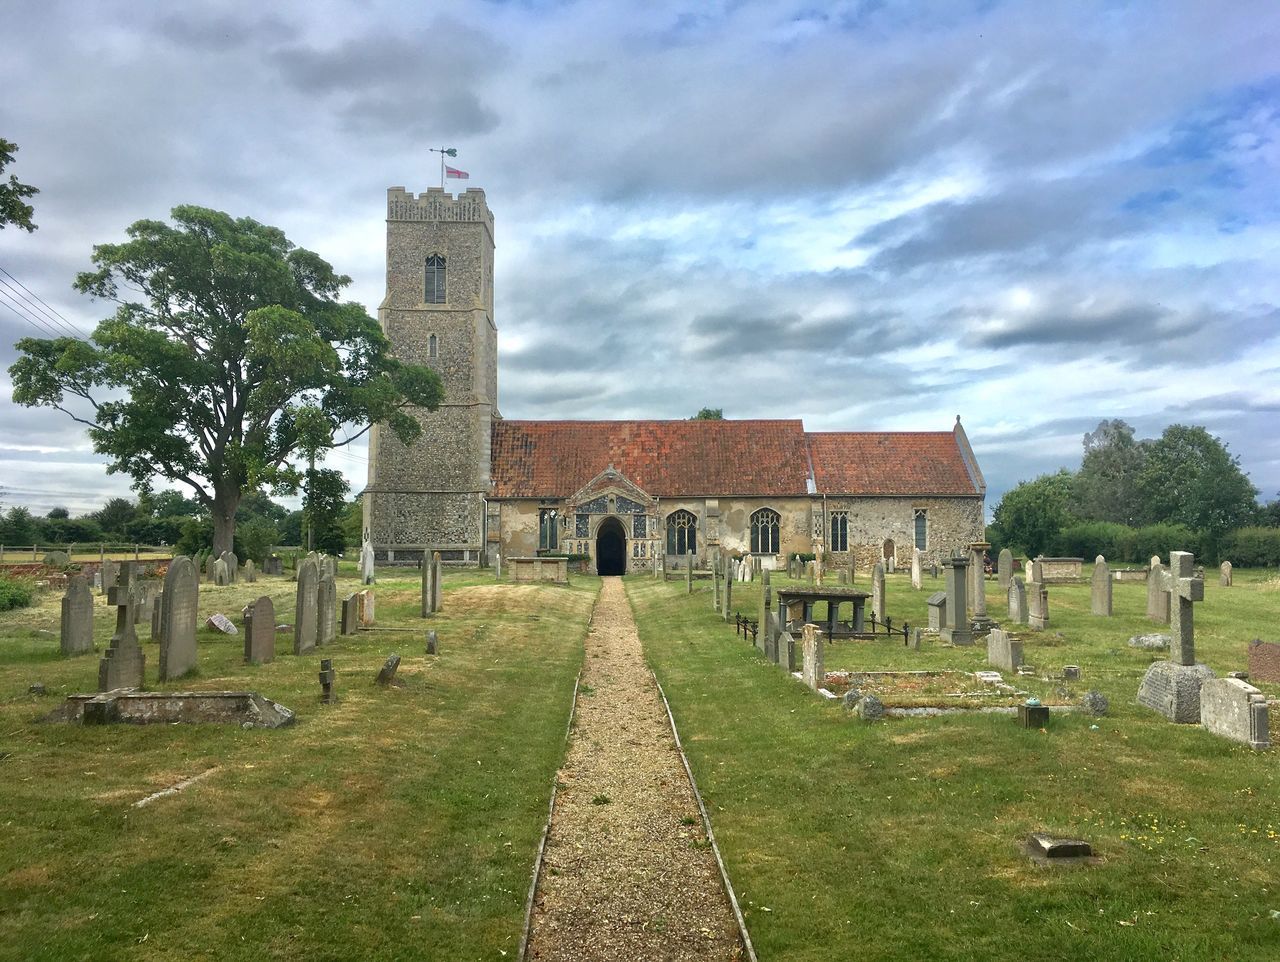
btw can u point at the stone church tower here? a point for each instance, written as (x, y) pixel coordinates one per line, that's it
(438, 311)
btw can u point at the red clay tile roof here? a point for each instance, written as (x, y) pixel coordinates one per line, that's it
(668, 459)
(889, 463)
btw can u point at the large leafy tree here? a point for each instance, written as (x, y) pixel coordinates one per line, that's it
(1106, 486)
(14, 208)
(1029, 515)
(229, 358)
(1190, 478)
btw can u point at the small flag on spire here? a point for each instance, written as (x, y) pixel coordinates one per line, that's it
(455, 173)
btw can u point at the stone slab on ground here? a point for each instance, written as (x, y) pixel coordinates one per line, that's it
(244, 708)
(1174, 690)
(1235, 709)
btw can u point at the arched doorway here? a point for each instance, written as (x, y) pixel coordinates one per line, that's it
(611, 548)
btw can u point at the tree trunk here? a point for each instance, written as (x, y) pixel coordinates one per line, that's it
(225, 503)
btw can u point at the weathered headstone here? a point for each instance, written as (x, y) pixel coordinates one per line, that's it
(1224, 574)
(1017, 601)
(233, 565)
(870, 708)
(326, 610)
(327, 675)
(110, 571)
(956, 627)
(917, 570)
(688, 574)
(877, 592)
(937, 604)
(221, 574)
(387, 673)
(1157, 596)
(1004, 567)
(124, 664)
(367, 574)
(179, 609)
(260, 632)
(1235, 709)
(1100, 595)
(728, 592)
(77, 617)
(812, 672)
(305, 615)
(715, 579)
(274, 565)
(428, 589)
(250, 572)
(1173, 687)
(433, 643)
(786, 651)
(350, 615)
(1003, 650)
(1037, 597)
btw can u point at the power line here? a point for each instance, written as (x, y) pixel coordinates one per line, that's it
(49, 311)
(15, 307)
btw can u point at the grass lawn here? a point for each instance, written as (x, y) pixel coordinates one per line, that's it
(396, 824)
(899, 840)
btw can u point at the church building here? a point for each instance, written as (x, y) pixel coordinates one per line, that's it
(624, 494)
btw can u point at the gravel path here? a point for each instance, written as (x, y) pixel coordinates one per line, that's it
(627, 872)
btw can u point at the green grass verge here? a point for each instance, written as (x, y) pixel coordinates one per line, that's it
(398, 823)
(899, 840)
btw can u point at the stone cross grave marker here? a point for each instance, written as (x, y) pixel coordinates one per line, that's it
(956, 627)
(77, 617)
(1157, 596)
(260, 632)
(1186, 588)
(813, 672)
(179, 609)
(326, 610)
(305, 614)
(124, 664)
(1224, 574)
(1004, 567)
(877, 591)
(1100, 594)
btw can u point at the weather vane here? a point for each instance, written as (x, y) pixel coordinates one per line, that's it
(445, 169)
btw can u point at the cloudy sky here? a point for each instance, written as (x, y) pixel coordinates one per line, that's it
(870, 215)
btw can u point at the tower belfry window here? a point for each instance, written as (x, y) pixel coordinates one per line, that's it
(434, 290)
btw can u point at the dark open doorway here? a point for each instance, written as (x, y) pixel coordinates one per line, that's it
(611, 548)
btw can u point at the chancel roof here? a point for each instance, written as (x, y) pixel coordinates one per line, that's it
(766, 458)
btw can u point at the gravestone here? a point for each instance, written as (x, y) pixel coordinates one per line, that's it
(1173, 687)
(305, 614)
(1224, 574)
(124, 664)
(179, 609)
(428, 590)
(365, 607)
(327, 675)
(1157, 596)
(350, 615)
(955, 628)
(715, 580)
(937, 604)
(877, 591)
(786, 652)
(1037, 598)
(274, 565)
(1264, 660)
(433, 643)
(76, 632)
(221, 576)
(387, 673)
(326, 610)
(688, 574)
(110, 571)
(233, 566)
(366, 561)
(728, 590)
(1234, 709)
(1003, 650)
(765, 617)
(250, 572)
(1100, 595)
(917, 570)
(1017, 601)
(891, 563)
(1004, 568)
(260, 632)
(157, 617)
(436, 599)
(812, 672)
(980, 621)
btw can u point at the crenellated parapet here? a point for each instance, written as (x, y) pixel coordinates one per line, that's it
(436, 205)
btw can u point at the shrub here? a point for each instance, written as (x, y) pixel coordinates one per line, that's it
(1092, 538)
(1252, 547)
(1160, 539)
(197, 535)
(14, 594)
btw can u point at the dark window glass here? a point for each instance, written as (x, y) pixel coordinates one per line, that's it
(434, 292)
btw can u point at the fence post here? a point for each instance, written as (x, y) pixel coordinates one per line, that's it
(135, 551)
(35, 549)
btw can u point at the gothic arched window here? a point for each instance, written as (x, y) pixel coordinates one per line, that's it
(839, 531)
(764, 531)
(433, 346)
(682, 533)
(433, 291)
